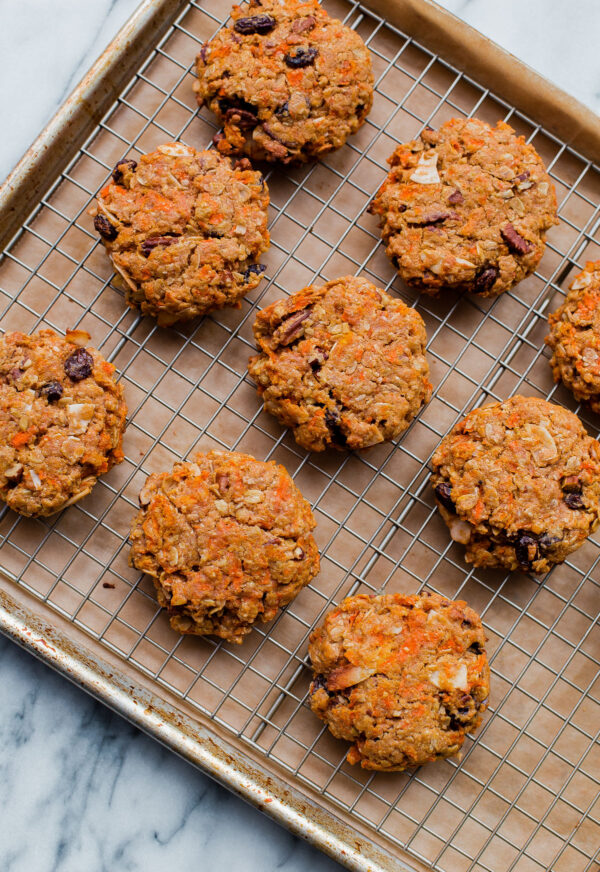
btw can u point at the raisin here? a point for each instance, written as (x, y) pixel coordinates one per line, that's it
(546, 542)
(334, 425)
(255, 269)
(117, 173)
(105, 228)
(475, 648)
(282, 110)
(302, 57)
(522, 176)
(485, 279)
(434, 217)
(53, 391)
(443, 493)
(319, 682)
(79, 364)
(255, 24)
(149, 245)
(526, 550)
(574, 501)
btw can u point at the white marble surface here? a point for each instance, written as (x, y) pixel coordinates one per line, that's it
(79, 788)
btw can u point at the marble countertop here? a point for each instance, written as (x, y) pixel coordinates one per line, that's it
(80, 788)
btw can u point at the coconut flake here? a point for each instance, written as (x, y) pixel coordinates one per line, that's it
(463, 262)
(460, 531)
(80, 415)
(582, 281)
(176, 149)
(37, 481)
(426, 172)
(445, 681)
(78, 337)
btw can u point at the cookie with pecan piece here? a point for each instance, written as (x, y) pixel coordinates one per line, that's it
(518, 483)
(404, 678)
(343, 364)
(184, 230)
(227, 540)
(287, 82)
(466, 207)
(62, 418)
(575, 337)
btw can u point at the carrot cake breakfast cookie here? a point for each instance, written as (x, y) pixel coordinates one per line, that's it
(184, 230)
(518, 483)
(575, 337)
(404, 678)
(227, 540)
(342, 365)
(62, 418)
(287, 82)
(466, 207)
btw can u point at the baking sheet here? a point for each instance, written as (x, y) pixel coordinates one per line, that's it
(525, 794)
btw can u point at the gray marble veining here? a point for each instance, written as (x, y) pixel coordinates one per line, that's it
(79, 788)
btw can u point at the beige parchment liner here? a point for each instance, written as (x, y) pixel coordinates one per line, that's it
(525, 795)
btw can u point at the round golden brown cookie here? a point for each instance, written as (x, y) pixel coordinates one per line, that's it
(62, 418)
(342, 365)
(287, 82)
(227, 539)
(184, 229)
(518, 483)
(575, 337)
(466, 207)
(404, 678)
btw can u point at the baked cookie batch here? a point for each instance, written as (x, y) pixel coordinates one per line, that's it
(228, 539)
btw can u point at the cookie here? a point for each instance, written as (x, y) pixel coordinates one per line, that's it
(404, 678)
(575, 338)
(62, 418)
(287, 82)
(184, 229)
(466, 207)
(518, 483)
(227, 540)
(342, 365)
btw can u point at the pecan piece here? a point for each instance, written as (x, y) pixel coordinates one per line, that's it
(289, 329)
(153, 242)
(514, 240)
(435, 217)
(303, 25)
(105, 228)
(242, 118)
(456, 198)
(301, 57)
(255, 24)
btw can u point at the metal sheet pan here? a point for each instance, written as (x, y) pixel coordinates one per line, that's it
(524, 796)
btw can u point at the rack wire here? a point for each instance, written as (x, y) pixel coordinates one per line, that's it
(525, 795)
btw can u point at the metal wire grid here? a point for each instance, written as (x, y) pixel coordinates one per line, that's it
(524, 786)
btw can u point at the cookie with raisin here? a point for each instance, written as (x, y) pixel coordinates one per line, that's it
(465, 207)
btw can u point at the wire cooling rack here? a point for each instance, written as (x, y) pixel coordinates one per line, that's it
(525, 795)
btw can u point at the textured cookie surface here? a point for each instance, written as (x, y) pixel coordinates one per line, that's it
(518, 483)
(404, 678)
(184, 229)
(228, 541)
(343, 364)
(62, 418)
(575, 337)
(466, 206)
(287, 82)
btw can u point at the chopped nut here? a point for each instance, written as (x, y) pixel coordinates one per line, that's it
(80, 415)
(426, 172)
